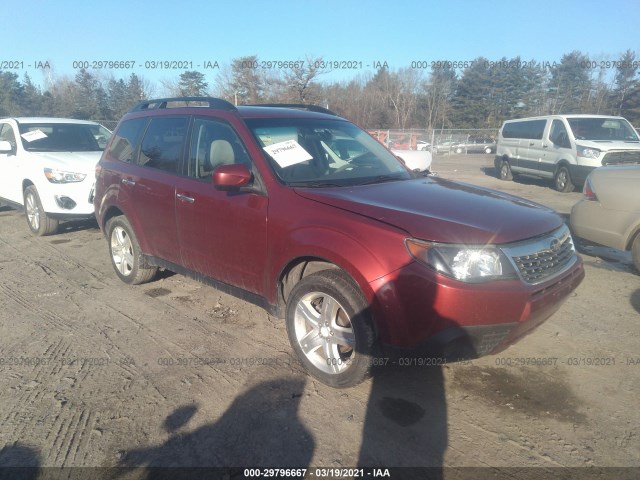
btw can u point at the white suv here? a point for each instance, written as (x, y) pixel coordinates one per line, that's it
(47, 167)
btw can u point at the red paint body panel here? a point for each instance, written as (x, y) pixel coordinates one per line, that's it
(247, 239)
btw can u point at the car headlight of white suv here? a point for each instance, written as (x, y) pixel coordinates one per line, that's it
(59, 176)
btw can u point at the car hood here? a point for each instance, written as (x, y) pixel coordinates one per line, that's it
(79, 162)
(440, 210)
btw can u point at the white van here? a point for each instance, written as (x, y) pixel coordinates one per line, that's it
(564, 147)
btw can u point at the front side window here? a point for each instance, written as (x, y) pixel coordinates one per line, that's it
(320, 152)
(558, 134)
(163, 143)
(59, 137)
(214, 143)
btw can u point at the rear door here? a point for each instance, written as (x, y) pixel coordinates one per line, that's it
(153, 185)
(530, 148)
(222, 234)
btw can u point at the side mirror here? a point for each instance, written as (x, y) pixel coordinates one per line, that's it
(231, 177)
(5, 147)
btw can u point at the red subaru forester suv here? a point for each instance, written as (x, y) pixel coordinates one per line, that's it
(305, 214)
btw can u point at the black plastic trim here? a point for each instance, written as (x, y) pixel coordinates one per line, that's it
(301, 106)
(161, 103)
(237, 292)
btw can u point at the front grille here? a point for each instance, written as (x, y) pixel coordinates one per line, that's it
(617, 158)
(542, 258)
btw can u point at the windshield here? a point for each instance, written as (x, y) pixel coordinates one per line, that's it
(318, 153)
(64, 137)
(611, 129)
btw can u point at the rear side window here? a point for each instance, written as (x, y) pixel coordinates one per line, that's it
(163, 143)
(126, 139)
(529, 129)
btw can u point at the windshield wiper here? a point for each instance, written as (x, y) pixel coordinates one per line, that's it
(316, 184)
(382, 179)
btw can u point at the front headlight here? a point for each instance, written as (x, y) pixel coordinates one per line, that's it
(463, 262)
(58, 176)
(587, 152)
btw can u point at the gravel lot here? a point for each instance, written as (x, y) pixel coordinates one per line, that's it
(175, 373)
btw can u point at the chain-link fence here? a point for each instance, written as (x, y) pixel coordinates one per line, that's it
(442, 141)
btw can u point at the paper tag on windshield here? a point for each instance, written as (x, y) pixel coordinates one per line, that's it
(33, 135)
(287, 153)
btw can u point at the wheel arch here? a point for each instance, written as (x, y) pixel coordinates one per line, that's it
(634, 232)
(300, 267)
(26, 183)
(111, 212)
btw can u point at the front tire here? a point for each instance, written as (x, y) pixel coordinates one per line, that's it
(330, 329)
(562, 180)
(505, 171)
(39, 222)
(126, 257)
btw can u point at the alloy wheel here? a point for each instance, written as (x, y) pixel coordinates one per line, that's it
(324, 332)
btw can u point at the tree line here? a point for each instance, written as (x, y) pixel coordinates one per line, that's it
(481, 95)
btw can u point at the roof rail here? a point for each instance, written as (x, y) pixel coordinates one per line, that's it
(302, 106)
(162, 103)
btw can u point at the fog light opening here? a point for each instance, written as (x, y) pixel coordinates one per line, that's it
(65, 202)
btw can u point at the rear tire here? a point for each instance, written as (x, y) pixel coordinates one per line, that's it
(39, 222)
(126, 257)
(505, 171)
(330, 328)
(562, 180)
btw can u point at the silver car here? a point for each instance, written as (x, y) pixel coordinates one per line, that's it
(609, 212)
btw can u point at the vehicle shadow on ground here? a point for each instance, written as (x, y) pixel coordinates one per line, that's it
(261, 428)
(521, 178)
(77, 225)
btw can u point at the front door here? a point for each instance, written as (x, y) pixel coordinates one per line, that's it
(222, 234)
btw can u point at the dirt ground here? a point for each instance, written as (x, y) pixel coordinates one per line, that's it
(175, 373)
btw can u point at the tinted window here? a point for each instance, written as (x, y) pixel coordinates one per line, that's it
(529, 129)
(58, 137)
(558, 134)
(126, 139)
(214, 143)
(163, 142)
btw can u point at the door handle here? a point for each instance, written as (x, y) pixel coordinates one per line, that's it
(185, 198)
(126, 181)
(545, 146)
